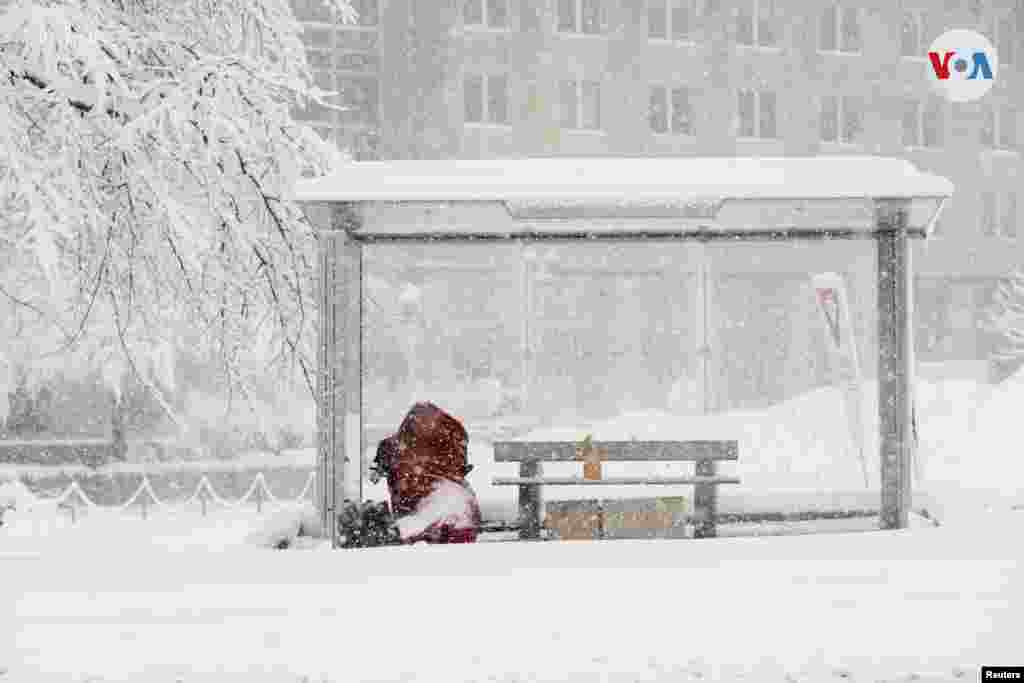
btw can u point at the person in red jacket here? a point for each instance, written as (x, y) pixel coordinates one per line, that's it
(425, 464)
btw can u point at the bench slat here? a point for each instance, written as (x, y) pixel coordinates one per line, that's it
(621, 481)
(617, 451)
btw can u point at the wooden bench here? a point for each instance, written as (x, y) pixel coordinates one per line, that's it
(532, 454)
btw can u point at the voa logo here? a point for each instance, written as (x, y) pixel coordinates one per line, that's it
(962, 65)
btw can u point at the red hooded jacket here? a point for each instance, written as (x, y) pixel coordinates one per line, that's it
(425, 465)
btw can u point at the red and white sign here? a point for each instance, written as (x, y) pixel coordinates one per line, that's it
(834, 307)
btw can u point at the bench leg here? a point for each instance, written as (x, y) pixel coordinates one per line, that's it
(530, 503)
(705, 501)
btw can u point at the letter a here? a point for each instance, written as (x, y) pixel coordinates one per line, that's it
(981, 64)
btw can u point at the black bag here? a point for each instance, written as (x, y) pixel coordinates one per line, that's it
(366, 525)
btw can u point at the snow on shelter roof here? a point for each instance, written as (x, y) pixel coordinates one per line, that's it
(689, 179)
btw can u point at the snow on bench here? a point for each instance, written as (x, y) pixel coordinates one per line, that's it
(532, 454)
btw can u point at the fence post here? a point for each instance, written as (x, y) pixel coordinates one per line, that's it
(71, 508)
(69, 502)
(259, 495)
(530, 501)
(202, 496)
(705, 501)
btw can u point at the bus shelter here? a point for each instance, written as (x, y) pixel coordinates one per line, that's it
(885, 200)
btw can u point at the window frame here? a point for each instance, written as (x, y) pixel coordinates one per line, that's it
(920, 21)
(326, 17)
(918, 141)
(755, 14)
(360, 138)
(840, 119)
(934, 323)
(577, 29)
(485, 104)
(669, 89)
(923, 107)
(339, 77)
(933, 105)
(1001, 201)
(578, 83)
(837, 27)
(376, 14)
(323, 58)
(988, 217)
(997, 24)
(758, 132)
(1012, 199)
(694, 8)
(998, 114)
(485, 18)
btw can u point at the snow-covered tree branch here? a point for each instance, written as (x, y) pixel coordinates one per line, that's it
(146, 150)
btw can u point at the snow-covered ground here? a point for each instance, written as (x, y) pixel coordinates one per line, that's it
(158, 600)
(181, 597)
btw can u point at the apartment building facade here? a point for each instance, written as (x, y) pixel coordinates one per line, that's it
(510, 78)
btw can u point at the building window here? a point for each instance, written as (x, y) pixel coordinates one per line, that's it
(912, 35)
(923, 125)
(486, 99)
(359, 97)
(839, 30)
(313, 10)
(933, 124)
(474, 99)
(581, 105)
(999, 128)
(911, 124)
(671, 19)
(367, 11)
(491, 14)
(999, 214)
(317, 38)
(934, 304)
(364, 144)
(989, 224)
(579, 16)
(671, 111)
(841, 119)
(323, 80)
(1008, 215)
(1005, 38)
(755, 24)
(757, 114)
(497, 99)
(343, 60)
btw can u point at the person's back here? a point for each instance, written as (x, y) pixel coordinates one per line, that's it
(425, 463)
